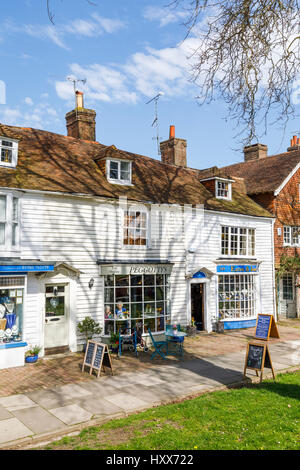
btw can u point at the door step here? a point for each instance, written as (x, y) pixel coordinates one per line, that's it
(56, 350)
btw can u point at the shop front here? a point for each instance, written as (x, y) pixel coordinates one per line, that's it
(238, 295)
(13, 287)
(136, 296)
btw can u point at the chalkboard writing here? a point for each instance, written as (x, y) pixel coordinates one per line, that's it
(258, 357)
(89, 353)
(94, 355)
(255, 356)
(98, 356)
(263, 325)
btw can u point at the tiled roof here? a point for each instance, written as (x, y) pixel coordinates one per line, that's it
(53, 162)
(265, 174)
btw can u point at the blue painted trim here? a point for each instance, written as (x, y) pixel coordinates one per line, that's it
(199, 275)
(26, 268)
(240, 268)
(13, 345)
(232, 325)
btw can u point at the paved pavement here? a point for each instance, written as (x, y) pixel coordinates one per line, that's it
(40, 416)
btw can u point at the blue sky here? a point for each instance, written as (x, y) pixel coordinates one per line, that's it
(128, 50)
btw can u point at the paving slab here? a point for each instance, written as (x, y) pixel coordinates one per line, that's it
(49, 398)
(71, 414)
(99, 406)
(12, 429)
(127, 402)
(71, 391)
(16, 402)
(38, 420)
(99, 388)
(4, 413)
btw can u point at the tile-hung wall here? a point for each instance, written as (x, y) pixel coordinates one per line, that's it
(80, 231)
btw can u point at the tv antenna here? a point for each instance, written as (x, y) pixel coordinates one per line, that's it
(155, 122)
(75, 81)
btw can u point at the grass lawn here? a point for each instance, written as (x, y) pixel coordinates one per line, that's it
(265, 416)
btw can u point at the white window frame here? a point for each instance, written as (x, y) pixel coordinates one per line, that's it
(10, 222)
(13, 148)
(228, 197)
(127, 227)
(240, 297)
(118, 180)
(289, 237)
(237, 233)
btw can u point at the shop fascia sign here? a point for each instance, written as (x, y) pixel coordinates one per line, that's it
(135, 269)
(238, 268)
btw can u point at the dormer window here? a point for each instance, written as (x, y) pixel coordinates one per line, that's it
(8, 152)
(119, 171)
(223, 189)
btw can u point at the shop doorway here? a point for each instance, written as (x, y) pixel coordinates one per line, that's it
(56, 317)
(197, 304)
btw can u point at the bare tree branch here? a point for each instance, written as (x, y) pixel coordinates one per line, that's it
(248, 55)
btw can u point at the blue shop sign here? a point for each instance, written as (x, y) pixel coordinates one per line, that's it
(26, 268)
(241, 268)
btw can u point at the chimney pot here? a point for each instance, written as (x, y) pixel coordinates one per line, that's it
(79, 99)
(172, 132)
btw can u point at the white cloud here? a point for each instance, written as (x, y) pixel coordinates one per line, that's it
(28, 101)
(91, 27)
(164, 16)
(41, 115)
(143, 75)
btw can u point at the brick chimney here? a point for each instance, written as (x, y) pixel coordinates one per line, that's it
(173, 151)
(295, 144)
(255, 152)
(81, 121)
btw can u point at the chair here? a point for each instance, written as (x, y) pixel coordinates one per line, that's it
(158, 346)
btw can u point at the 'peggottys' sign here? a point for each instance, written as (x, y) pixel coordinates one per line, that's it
(106, 270)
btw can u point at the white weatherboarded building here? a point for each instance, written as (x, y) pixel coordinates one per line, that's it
(90, 230)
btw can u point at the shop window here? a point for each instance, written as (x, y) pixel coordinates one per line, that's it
(9, 221)
(136, 301)
(237, 296)
(237, 241)
(11, 308)
(287, 287)
(135, 228)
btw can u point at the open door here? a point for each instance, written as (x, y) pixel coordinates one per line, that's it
(197, 304)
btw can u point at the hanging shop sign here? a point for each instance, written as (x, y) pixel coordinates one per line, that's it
(265, 327)
(135, 269)
(257, 358)
(97, 357)
(241, 268)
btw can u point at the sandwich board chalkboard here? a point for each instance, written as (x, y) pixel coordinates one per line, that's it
(265, 327)
(257, 358)
(96, 357)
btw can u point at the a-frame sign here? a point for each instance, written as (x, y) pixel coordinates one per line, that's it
(265, 327)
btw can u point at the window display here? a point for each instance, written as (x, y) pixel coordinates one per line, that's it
(237, 296)
(11, 314)
(136, 301)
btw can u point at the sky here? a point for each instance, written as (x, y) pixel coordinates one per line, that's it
(128, 51)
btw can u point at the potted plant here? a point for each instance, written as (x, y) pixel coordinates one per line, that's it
(32, 354)
(114, 342)
(89, 328)
(191, 329)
